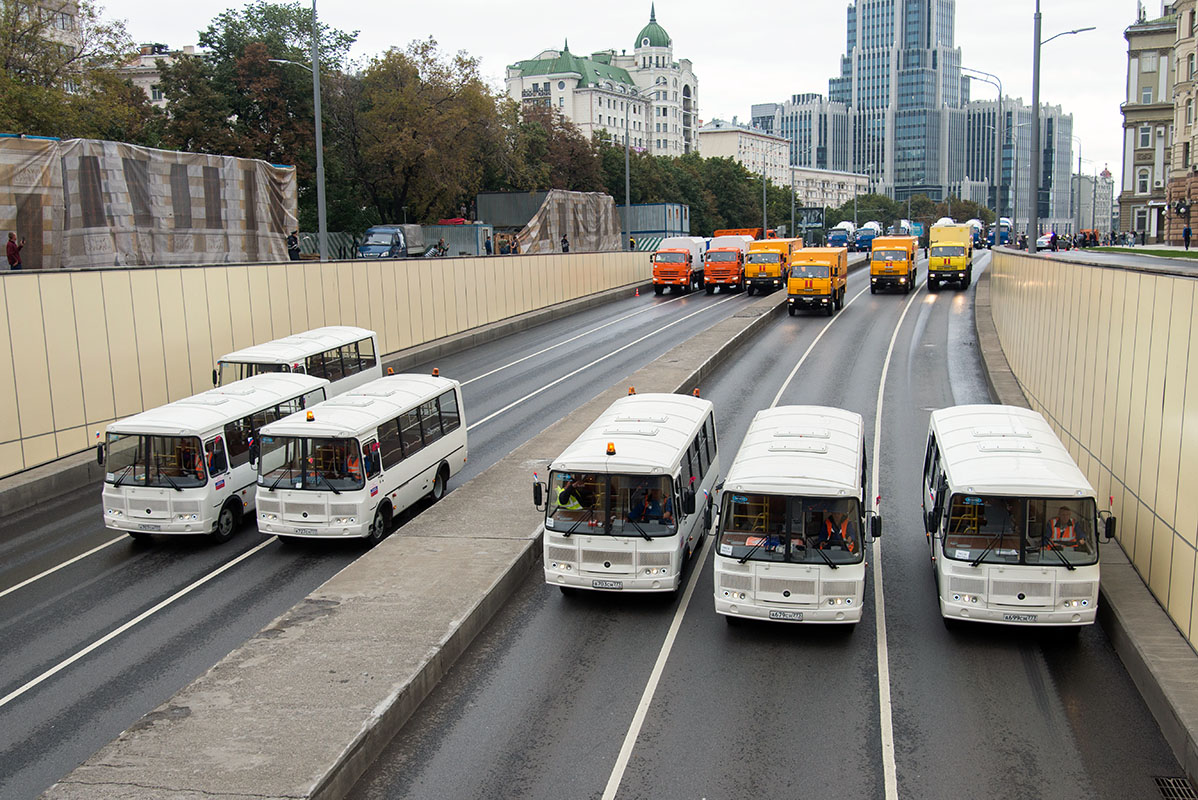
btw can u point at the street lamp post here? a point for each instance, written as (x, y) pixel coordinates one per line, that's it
(1033, 223)
(627, 187)
(998, 136)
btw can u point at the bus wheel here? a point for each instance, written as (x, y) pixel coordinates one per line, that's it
(568, 590)
(141, 537)
(790, 310)
(732, 621)
(438, 490)
(381, 525)
(227, 521)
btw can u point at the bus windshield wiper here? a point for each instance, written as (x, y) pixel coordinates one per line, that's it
(170, 480)
(641, 530)
(1060, 555)
(824, 556)
(279, 479)
(121, 477)
(997, 537)
(589, 516)
(321, 475)
(753, 549)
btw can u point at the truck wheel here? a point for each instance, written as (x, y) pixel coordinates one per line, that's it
(657, 290)
(840, 300)
(749, 290)
(933, 285)
(873, 289)
(790, 310)
(830, 309)
(709, 288)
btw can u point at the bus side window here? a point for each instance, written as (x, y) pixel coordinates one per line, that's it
(315, 365)
(349, 359)
(409, 431)
(390, 443)
(332, 364)
(697, 457)
(715, 447)
(214, 454)
(706, 446)
(931, 459)
(430, 421)
(687, 471)
(370, 457)
(366, 353)
(448, 403)
(237, 435)
(312, 398)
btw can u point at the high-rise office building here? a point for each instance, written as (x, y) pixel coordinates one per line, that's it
(817, 129)
(901, 78)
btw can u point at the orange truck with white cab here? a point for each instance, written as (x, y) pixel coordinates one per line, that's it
(892, 263)
(818, 276)
(678, 262)
(768, 263)
(724, 262)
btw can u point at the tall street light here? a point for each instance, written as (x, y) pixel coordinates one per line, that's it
(627, 190)
(1033, 226)
(996, 81)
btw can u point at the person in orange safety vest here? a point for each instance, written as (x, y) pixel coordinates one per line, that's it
(1062, 530)
(836, 531)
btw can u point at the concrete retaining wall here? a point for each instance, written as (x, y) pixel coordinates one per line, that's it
(88, 347)
(1109, 357)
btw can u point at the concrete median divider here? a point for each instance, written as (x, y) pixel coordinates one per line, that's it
(303, 707)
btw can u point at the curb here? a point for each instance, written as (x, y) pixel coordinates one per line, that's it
(1162, 665)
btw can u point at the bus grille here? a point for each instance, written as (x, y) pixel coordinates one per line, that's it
(1037, 589)
(343, 509)
(187, 507)
(839, 588)
(299, 509)
(966, 585)
(1068, 590)
(742, 583)
(623, 557)
(562, 553)
(654, 559)
(268, 504)
(780, 585)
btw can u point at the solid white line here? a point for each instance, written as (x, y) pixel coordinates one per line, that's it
(889, 771)
(811, 347)
(550, 385)
(571, 339)
(642, 709)
(13, 695)
(66, 563)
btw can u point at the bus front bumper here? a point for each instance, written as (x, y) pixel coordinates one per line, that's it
(610, 583)
(189, 526)
(357, 529)
(977, 612)
(816, 615)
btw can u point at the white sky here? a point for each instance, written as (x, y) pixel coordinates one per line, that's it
(762, 52)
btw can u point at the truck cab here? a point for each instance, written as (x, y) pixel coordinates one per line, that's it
(678, 262)
(950, 256)
(892, 263)
(818, 276)
(767, 264)
(724, 262)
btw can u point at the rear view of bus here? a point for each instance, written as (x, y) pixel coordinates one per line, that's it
(188, 467)
(346, 356)
(629, 500)
(792, 523)
(347, 467)
(1012, 524)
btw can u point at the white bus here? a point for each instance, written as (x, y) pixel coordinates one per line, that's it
(346, 356)
(346, 467)
(792, 523)
(188, 467)
(1011, 521)
(629, 500)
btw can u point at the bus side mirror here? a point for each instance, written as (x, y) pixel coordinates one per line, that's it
(100, 455)
(254, 453)
(538, 495)
(875, 527)
(214, 376)
(1109, 529)
(688, 502)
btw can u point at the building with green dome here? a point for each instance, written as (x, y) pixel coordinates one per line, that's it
(644, 93)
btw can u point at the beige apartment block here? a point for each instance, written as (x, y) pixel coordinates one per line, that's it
(1148, 125)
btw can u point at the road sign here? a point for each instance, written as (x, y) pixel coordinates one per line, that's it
(917, 229)
(809, 217)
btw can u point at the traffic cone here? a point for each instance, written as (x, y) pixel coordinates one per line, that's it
(638, 292)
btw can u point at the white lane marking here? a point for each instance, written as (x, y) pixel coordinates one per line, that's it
(889, 771)
(550, 385)
(56, 568)
(642, 709)
(811, 347)
(571, 339)
(13, 695)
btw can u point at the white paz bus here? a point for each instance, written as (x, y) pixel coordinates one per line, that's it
(1012, 523)
(629, 501)
(346, 356)
(189, 467)
(346, 467)
(792, 522)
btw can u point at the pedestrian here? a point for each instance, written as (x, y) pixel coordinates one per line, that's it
(515, 246)
(14, 251)
(505, 249)
(565, 244)
(293, 245)
(1052, 241)
(631, 243)
(487, 246)
(1185, 236)
(442, 248)
(1143, 238)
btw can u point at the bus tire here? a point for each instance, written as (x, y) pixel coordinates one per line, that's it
(380, 526)
(439, 482)
(568, 591)
(657, 290)
(952, 624)
(227, 521)
(733, 621)
(141, 537)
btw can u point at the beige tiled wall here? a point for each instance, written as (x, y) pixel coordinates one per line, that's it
(1110, 357)
(89, 347)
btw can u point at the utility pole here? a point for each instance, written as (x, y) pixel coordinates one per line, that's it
(627, 192)
(1033, 223)
(792, 201)
(322, 223)
(764, 226)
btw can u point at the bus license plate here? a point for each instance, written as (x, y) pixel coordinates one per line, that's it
(598, 584)
(1019, 617)
(145, 526)
(790, 616)
(305, 531)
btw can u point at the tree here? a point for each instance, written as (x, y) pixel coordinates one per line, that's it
(55, 42)
(197, 113)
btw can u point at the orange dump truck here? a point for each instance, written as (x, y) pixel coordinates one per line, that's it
(818, 276)
(724, 262)
(678, 262)
(892, 263)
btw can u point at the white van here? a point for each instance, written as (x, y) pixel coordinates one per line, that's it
(188, 467)
(348, 466)
(792, 523)
(1012, 524)
(629, 500)
(345, 355)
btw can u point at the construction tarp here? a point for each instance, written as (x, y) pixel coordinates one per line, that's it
(587, 219)
(88, 203)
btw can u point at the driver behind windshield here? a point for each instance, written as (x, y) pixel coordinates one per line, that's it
(647, 506)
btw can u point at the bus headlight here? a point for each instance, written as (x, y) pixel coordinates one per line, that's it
(268, 517)
(186, 517)
(840, 601)
(734, 595)
(965, 598)
(656, 570)
(561, 565)
(114, 512)
(345, 520)
(1075, 603)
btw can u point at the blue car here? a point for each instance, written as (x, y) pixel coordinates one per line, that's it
(383, 241)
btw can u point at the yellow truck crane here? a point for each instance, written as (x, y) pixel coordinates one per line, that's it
(950, 257)
(818, 276)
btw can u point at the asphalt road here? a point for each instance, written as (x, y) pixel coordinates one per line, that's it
(79, 663)
(541, 704)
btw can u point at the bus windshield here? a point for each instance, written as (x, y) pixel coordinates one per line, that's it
(890, 255)
(173, 462)
(948, 251)
(803, 530)
(763, 258)
(236, 370)
(722, 255)
(809, 271)
(616, 505)
(293, 462)
(670, 258)
(1046, 532)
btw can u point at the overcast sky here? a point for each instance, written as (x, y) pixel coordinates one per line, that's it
(765, 51)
